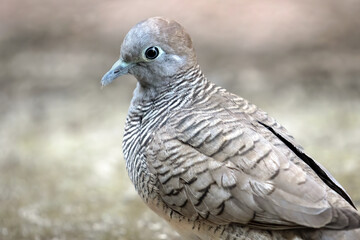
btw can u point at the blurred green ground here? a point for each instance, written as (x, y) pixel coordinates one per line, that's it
(62, 174)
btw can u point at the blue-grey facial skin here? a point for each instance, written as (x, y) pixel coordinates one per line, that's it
(118, 69)
(175, 53)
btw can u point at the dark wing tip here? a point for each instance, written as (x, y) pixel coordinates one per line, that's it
(313, 165)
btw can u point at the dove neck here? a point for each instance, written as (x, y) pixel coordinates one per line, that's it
(184, 85)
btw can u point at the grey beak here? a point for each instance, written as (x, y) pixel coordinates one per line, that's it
(118, 69)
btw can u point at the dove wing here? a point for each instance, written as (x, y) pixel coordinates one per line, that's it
(225, 166)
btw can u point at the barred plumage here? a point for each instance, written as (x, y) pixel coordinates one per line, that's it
(145, 116)
(211, 163)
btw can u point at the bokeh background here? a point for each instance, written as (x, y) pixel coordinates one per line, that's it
(62, 174)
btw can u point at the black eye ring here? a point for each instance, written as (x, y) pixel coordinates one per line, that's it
(152, 53)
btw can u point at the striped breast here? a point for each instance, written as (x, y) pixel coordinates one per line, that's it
(147, 115)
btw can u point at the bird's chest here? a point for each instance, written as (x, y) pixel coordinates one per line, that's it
(139, 128)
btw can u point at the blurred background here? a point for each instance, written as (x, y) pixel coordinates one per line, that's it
(62, 173)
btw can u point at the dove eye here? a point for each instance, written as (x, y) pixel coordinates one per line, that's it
(152, 53)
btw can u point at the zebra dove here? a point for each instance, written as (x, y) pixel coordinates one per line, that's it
(209, 162)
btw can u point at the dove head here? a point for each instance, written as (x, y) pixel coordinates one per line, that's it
(153, 51)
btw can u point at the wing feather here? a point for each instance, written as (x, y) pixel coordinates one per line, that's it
(228, 168)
